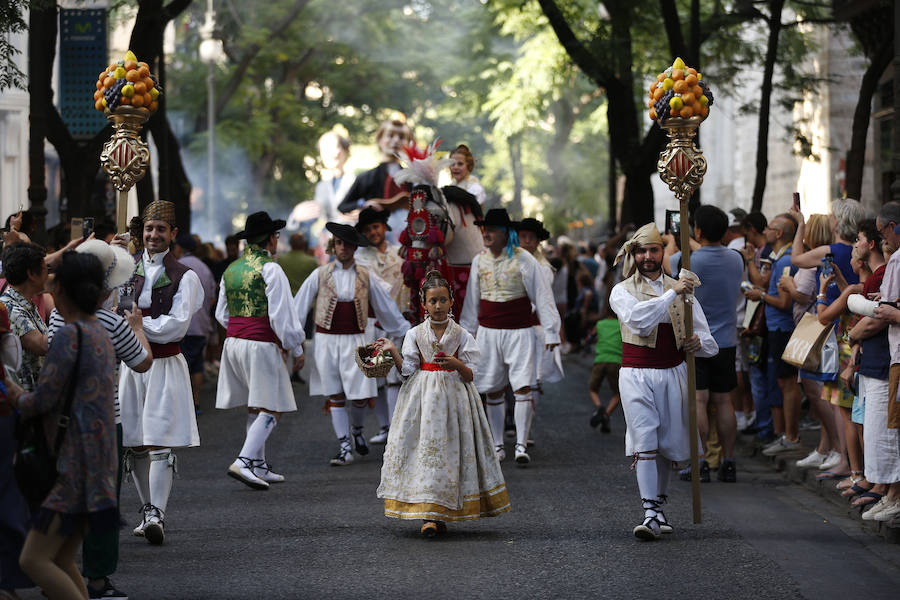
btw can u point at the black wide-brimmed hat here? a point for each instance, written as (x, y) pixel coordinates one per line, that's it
(259, 223)
(370, 215)
(535, 226)
(346, 233)
(496, 217)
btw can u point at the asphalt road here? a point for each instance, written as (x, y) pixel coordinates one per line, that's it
(322, 533)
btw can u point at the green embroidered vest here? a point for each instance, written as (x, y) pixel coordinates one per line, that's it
(245, 288)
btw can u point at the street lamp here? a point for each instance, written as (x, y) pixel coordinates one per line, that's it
(210, 53)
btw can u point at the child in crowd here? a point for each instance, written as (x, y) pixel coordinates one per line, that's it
(439, 462)
(607, 361)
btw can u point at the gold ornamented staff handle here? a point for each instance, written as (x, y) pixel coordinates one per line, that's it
(682, 167)
(125, 156)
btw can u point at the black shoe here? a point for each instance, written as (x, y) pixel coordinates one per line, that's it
(685, 474)
(359, 441)
(107, 591)
(727, 472)
(596, 418)
(604, 422)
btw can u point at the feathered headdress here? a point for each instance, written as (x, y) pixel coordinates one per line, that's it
(424, 164)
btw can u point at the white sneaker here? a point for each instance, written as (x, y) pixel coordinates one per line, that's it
(501, 453)
(773, 444)
(872, 513)
(264, 471)
(783, 445)
(813, 460)
(831, 461)
(750, 419)
(522, 457)
(242, 470)
(889, 512)
(380, 437)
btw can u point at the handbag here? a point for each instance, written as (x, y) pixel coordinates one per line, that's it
(806, 348)
(754, 319)
(829, 361)
(35, 461)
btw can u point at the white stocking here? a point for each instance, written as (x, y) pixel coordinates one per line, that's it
(647, 479)
(340, 422)
(663, 472)
(496, 416)
(257, 435)
(162, 471)
(381, 408)
(523, 412)
(358, 413)
(140, 472)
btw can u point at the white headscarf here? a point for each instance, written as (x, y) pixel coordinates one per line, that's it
(648, 234)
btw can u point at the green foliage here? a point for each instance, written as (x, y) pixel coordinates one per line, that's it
(11, 22)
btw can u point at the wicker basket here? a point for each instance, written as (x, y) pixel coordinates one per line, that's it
(373, 371)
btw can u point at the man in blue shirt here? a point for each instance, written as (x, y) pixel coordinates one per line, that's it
(780, 325)
(720, 270)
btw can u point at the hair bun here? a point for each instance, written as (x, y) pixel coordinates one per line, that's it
(433, 274)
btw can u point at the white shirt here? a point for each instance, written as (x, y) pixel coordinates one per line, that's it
(536, 286)
(642, 317)
(345, 283)
(171, 327)
(282, 318)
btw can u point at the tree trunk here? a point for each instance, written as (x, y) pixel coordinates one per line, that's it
(515, 161)
(40, 63)
(765, 103)
(856, 156)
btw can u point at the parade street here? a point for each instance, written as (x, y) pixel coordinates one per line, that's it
(322, 533)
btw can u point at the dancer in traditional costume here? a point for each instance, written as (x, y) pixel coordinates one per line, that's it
(505, 281)
(343, 292)
(653, 377)
(383, 259)
(439, 462)
(256, 308)
(548, 363)
(157, 406)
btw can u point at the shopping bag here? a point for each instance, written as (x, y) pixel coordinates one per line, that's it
(804, 349)
(829, 361)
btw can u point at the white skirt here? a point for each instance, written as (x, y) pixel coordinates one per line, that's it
(548, 364)
(881, 446)
(336, 370)
(656, 411)
(254, 374)
(507, 356)
(158, 406)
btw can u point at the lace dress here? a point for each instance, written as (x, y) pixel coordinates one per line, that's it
(439, 462)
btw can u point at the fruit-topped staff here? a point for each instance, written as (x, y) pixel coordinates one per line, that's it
(128, 94)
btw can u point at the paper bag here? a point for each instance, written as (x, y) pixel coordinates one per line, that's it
(804, 349)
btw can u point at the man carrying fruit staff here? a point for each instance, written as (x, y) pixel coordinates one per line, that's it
(343, 293)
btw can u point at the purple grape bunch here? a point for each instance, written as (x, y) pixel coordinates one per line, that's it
(661, 106)
(706, 92)
(114, 94)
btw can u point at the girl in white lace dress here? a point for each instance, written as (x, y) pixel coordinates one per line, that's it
(439, 462)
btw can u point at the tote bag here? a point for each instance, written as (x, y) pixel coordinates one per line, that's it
(804, 349)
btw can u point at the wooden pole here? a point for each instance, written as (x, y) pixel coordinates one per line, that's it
(122, 212)
(689, 360)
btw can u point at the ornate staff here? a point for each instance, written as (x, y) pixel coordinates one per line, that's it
(679, 102)
(128, 94)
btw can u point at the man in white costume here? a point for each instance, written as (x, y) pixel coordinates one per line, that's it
(256, 309)
(343, 293)
(505, 281)
(653, 377)
(383, 259)
(158, 406)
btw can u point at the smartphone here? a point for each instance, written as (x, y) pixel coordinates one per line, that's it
(77, 228)
(87, 227)
(797, 201)
(673, 222)
(828, 264)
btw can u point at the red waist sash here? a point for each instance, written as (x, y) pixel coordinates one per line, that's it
(666, 355)
(435, 367)
(251, 328)
(343, 321)
(165, 350)
(515, 314)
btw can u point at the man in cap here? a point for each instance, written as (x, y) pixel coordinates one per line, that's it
(548, 364)
(157, 406)
(653, 377)
(343, 293)
(256, 309)
(504, 283)
(383, 258)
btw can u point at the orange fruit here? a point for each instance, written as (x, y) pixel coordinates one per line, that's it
(653, 114)
(132, 76)
(691, 80)
(677, 74)
(137, 100)
(99, 104)
(704, 110)
(680, 86)
(153, 105)
(131, 65)
(144, 70)
(99, 84)
(650, 103)
(687, 98)
(692, 70)
(661, 77)
(140, 88)
(147, 82)
(147, 99)
(98, 94)
(125, 101)
(686, 112)
(108, 82)
(658, 93)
